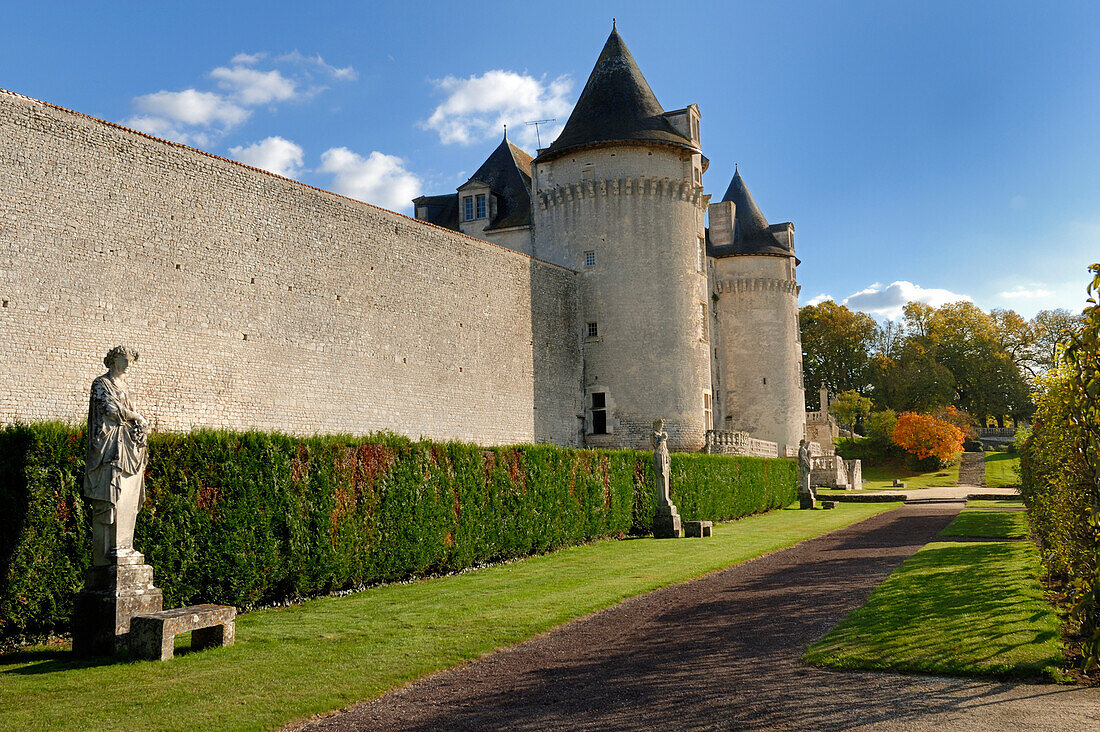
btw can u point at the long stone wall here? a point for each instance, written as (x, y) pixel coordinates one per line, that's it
(259, 302)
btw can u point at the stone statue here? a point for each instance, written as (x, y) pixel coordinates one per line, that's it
(114, 477)
(806, 495)
(662, 463)
(666, 522)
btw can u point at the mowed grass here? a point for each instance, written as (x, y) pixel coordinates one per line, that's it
(291, 663)
(989, 525)
(970, 609)
(1001, 469)
(986, 503)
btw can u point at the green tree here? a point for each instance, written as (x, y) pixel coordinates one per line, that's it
(1053, 329)
(836, 348)
(849, 407)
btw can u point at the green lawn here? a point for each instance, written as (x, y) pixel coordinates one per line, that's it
(971, 608)
(294, 662)
(988, 503)
(1002, 468)
(989, 525)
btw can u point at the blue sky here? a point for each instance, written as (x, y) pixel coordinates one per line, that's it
(924, 150)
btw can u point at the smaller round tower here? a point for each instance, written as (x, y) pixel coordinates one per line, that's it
(759, 349)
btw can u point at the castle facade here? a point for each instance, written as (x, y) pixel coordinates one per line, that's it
(693, 325)
(573, 297)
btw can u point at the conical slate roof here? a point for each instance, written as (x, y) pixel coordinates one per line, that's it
(751, 232)
(507, 171)
(616, 105)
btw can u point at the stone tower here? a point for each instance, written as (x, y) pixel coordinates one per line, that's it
(759, 349)
(618, 197)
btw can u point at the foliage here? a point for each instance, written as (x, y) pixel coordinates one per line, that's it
(249, 518)
(957, 608)
(291, 663)
(849, 407)
(836, 346)
(880, 427)
(927, 437)
(1060, 470)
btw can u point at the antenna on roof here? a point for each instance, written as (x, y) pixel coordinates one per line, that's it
(505, 132)
(538, 122)
(612, 24)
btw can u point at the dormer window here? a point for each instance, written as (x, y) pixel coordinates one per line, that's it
(467, 208)
(481, 209)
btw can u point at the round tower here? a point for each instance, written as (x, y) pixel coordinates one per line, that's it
(759, 349)
(618, 198)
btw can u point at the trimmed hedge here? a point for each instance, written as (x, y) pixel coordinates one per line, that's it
(250, 518)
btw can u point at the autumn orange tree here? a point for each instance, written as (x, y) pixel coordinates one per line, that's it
(926, 436)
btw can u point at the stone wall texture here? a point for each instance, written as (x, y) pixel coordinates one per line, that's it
(259, 302)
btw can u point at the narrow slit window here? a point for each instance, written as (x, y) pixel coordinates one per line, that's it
(702, 254)
(704, 332)
(599, 413)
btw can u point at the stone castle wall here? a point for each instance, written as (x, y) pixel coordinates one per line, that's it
(259, 302)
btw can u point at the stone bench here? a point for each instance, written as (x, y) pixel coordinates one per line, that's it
(153, 636)
(698, 528)
(830, 504)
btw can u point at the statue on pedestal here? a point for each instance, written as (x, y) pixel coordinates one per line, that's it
(119, 584)
(666, 524)
(806, 495)
(114, 477)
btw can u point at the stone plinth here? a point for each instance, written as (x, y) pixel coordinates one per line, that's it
(806, 499)
(112, 595)
(666, 523)
(855, 474)
(829, 504)
(698, 529)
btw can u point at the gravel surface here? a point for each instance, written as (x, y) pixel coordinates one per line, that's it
(722, 652)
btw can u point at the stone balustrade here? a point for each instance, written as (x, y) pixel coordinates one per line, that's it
(730, 442)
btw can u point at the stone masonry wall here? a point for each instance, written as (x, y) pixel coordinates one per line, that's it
(259, 302)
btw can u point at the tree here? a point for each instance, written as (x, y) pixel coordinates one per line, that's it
(849, 407)
(1053, 329)
(836, 347)
(1015, 336)
(925, 437)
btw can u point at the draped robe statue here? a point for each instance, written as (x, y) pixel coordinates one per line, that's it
(662, 463)
(114, 477)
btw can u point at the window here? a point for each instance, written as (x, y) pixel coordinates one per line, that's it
(702, 254)
(593, 329)
(704, 332)
(588, 172)
(708, 413)
(694, 128)
(481, 206)
(468, 208)
(599, 413)
(589, 259)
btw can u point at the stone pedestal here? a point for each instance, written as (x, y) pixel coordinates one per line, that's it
(666, 524)
(112, 595)
(806, 498)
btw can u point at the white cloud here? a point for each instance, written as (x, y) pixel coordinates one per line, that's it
(251, 87)
(888, 301)
(477, 107)
(1025, 293)
(817, 300)
(275, 154)
(192, 107)
(345, 73)
(197, 117)
(248, 58)
(379, 179)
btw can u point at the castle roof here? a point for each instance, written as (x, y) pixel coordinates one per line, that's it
(752, 234)
(616, 105)
(507, 172)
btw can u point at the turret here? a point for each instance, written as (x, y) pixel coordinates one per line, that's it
(759, 350)
(618, 197)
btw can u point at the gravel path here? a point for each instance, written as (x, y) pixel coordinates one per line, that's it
(722, 652)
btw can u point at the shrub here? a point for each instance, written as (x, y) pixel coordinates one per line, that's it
(927, 437)
(249, 518)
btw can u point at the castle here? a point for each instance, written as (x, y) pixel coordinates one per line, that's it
(695, 325)
(574, 297)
